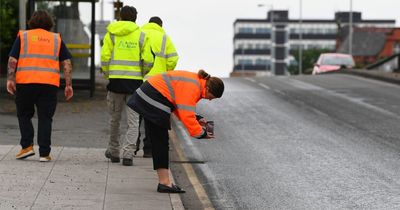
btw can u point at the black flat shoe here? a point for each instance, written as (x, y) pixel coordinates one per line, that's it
(166, 189)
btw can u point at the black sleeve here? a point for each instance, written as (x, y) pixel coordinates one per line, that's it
(15, 48)
(198, 117)
(64, 52)
(203, 135)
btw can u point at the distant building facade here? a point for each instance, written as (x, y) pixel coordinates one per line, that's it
(266, 46)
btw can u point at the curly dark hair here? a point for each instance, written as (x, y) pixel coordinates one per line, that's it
(41, 19)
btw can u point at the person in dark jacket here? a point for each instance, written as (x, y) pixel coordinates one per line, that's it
(177, 92)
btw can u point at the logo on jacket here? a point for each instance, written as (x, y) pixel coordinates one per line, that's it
(36, 38)
(127, 44)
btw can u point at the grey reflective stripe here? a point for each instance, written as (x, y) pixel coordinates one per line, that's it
(164, 42)
(141, 39)
(185, 79)
(169, 86)
(39, 56)
(38, 69)
(145, 64)
(163, 47)
(124, 63)
(25, 35)
(30, 55)
(113, 42)
(124, 73)
(103, 63)
(186, 107)
(166, 56)
(112, 38)
(55, 45)
(171, 55)
(153, 102)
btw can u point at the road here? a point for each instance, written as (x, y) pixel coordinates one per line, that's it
(306, 142)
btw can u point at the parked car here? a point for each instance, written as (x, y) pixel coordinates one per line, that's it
(328, 62)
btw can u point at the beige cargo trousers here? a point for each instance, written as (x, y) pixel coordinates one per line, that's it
(116, 103)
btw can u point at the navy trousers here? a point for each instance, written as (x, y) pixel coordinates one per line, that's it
(44, 97)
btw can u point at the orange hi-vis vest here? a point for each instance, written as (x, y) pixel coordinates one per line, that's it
(183, 89)
(39, 58)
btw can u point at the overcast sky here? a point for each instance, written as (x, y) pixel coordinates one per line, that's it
(202, 30)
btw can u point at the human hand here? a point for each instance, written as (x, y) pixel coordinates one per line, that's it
(203, 122)
(68, 92)
(11, 87)
(209, 135)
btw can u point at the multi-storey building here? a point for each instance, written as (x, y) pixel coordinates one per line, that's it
(266, 46)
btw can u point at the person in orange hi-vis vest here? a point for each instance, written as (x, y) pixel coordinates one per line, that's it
(177, 92)
(34, 78)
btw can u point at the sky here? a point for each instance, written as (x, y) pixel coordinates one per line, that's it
(202, 30)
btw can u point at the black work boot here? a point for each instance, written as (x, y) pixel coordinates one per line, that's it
(127, 162)
(112, 158)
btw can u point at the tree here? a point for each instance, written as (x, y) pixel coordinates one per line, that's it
(310, 57)
(8, 29)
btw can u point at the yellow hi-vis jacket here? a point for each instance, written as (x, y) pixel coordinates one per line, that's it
(126, 52)
(162, 47)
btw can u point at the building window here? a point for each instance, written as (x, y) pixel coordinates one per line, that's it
(265, 46)
(245, 30)
(263, 30)
(245, 62)
(260, 61)
(240, 46)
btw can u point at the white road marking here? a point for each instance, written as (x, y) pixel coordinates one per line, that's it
(264, 86)
(250, 79)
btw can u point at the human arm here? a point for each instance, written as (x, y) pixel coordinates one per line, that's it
(12, 66)
(11, 69)
(106, 51)
(147, 56)
(67, 69)
(186, 112)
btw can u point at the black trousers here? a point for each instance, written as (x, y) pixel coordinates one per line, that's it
(146, 141)
(45, 99)
(160, 144)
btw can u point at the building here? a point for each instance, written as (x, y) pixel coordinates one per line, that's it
(266, 46)
(370, 44)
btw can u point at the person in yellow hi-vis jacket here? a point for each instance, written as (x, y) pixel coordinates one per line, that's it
(162, 47)
(125, 57)
(165, 59)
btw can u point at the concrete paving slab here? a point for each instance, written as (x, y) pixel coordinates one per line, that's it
(77, 178)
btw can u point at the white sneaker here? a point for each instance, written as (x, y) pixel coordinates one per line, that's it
(45, 159)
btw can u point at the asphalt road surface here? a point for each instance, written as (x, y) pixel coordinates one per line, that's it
(305, 142)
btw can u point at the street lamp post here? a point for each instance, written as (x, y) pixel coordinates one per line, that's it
(300, 39)
(351, 28)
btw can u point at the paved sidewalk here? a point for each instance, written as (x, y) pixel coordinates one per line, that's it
(78, 178)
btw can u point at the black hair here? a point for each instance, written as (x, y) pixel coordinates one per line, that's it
(128, 13)
(156, 19)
